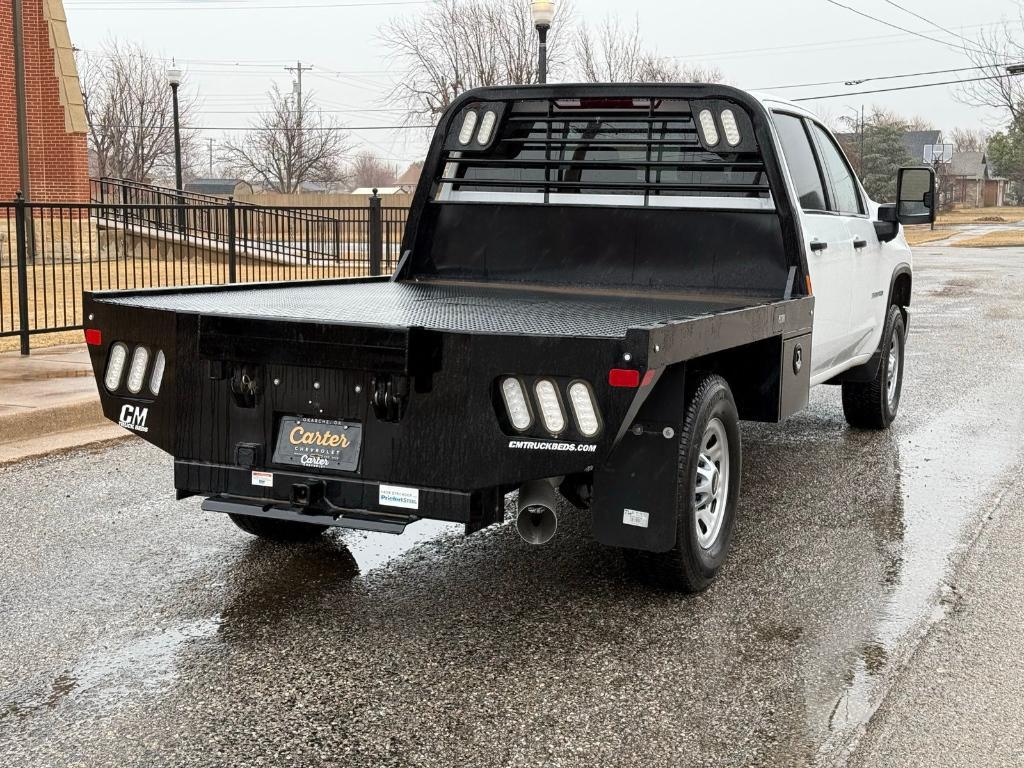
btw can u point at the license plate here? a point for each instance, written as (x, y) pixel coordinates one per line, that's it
(319, 444)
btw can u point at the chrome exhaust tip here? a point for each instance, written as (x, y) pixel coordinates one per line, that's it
(537, 521)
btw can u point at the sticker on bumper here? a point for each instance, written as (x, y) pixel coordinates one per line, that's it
(263, 479)
(397, 496)
(635, 518)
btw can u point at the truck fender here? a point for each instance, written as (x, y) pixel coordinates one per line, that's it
(640, 474)
(899, 294)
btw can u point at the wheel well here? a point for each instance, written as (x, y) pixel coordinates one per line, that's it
(901, 290)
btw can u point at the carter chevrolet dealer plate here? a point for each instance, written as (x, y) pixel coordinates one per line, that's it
(319, 444)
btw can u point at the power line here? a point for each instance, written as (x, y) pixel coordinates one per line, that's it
(929, 21)
(850, 8)
(794, 47)
(902, 88)
(862, 80)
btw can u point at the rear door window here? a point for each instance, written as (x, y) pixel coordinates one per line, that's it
(845, 197)
(803, 167)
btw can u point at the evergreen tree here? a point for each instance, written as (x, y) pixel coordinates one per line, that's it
(884, 155)
(1006, 153)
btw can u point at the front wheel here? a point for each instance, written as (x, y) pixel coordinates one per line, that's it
(707, 493)
(873, 404)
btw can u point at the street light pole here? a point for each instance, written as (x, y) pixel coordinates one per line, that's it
(174, 79)
(543, 12)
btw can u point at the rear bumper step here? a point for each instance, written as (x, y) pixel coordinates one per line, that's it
(334, 500)
(256, 508)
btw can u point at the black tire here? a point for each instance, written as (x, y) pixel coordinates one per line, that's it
(278, 530)
(868, 405)
(690, 566)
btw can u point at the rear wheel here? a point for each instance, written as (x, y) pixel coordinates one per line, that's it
(874, 404)
(707, 493)
(277, 530)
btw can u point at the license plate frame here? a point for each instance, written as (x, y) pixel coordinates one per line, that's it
(318, 445)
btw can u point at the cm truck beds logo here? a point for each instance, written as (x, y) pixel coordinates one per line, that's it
(134, 418)
(537, 445)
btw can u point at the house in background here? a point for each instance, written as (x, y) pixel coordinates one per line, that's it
(219, 187)
(408, 180)
(916, 141)
(969, 180)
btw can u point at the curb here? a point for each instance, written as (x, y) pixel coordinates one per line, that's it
(40, 422)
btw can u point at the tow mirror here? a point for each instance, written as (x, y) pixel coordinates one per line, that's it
(915, 196)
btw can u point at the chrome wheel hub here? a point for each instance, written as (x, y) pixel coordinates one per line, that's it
(892, 376)
(711, 485)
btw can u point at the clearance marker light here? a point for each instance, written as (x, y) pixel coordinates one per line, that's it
(468, 126)
(115, 366)
(515, 403)
(550, 408)
(137, 372)
(487, 127)
(623, 377)
(94, 337)
(707, 124)
(732, 131)
(157, 377)
(583, 408)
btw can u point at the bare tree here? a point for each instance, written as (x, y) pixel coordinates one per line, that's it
(611, 53)
(288, 144)
(968, 139)
(369, 170)
(457, 45)
(128, 107)
(991, 52)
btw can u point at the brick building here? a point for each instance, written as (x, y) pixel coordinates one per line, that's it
(58, 154)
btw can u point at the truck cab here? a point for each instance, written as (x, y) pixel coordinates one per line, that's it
(855, 269)
(597, 283)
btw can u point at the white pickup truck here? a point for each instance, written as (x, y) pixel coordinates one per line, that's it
(597, 283)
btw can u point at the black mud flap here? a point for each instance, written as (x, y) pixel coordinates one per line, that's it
(634, 502)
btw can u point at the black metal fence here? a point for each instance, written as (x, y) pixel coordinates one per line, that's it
(134, 236)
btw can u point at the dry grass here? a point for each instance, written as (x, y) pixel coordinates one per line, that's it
(919, 235)
(1004, 215)
(999, 239)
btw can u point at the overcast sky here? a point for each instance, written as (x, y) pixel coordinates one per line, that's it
(233, 49)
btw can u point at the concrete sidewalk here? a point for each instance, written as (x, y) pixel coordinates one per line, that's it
(48, 402)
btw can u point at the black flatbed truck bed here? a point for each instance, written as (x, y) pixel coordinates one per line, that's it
(633, 310)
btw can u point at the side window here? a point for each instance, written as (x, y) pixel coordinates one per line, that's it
(845, 198)
(796, 147)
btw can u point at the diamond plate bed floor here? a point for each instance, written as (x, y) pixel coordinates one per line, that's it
(449, 306)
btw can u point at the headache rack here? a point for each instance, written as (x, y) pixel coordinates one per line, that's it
(665, 152)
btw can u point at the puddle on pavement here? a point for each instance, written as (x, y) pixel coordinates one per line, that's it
(145, 663)
(373, 551)
(946, 493)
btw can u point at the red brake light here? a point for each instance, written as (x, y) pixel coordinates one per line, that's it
(623, 377)
(94, 337)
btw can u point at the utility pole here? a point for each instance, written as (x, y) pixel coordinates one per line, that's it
(21, 100)
(298, 69)
(209, 142)
(861, 139)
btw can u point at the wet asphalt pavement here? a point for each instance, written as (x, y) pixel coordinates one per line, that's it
(139, 631)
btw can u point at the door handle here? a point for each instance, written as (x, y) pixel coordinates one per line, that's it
(817, 246)
(860, 244)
